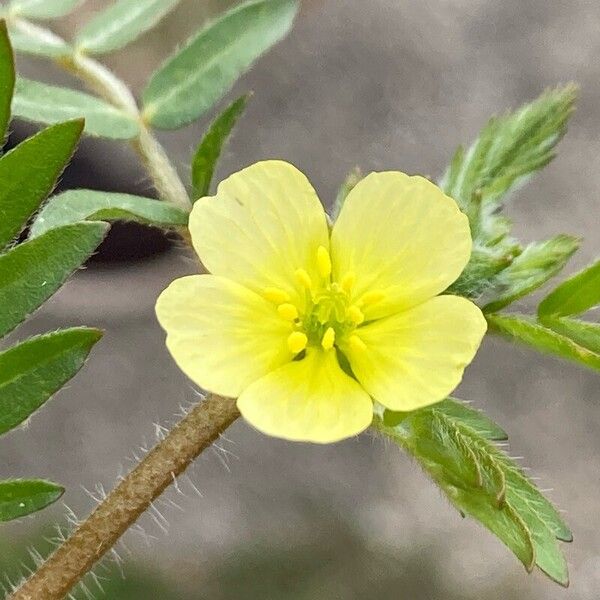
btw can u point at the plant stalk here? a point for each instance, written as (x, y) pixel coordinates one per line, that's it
(132, 497)
(107, 85)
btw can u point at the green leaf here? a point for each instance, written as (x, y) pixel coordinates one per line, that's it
(89, 205)
(584, 334)
(538, 263)
(471, 417)
(210, 148)
(31, 39)
(509, 149)
(575, 295)
(31, 372)
(446, 451)
(542, 520)
(21, 497)
(29, 172)
(206, 68)
(121, 23)
(35, 101)
(458, 411)
(504, 522)
(526, 330)
(34, 270)
(481, 271)
(7, 80)
(481, 481)
(525, 496)
(42, 9)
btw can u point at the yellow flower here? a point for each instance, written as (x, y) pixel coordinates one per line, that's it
(307, 327)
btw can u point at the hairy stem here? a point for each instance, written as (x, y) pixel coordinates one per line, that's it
(124, 505)
(107, 85)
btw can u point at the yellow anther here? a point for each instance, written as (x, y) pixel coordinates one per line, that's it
(304, 278)
(323, 262)
(371, 298)
(355, 315)
(276, 295)
(297, 342)
(288, 311)
(356, 344)
(328, 339)
(348, 281)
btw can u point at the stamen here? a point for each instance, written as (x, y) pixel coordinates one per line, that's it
(276, 295)
(355, 315)
(348, 281)
(297, 342)
(371, 298)
(328, 339)
(356, 344)
(288, 311)
(304, 278)
(323, 262)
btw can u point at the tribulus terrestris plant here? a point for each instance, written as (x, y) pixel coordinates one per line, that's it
(312, 327)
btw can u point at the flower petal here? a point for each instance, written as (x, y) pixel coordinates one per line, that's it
(418, 356)
(264, 224)
(221, 335)
(402, 237)
(310, 400)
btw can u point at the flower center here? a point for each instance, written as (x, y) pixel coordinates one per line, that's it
(328, 315)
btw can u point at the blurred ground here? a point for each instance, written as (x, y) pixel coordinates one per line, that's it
(384, 84)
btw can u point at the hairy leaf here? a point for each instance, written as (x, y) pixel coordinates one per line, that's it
(206, 68)
(7, 80)
(459, 411)
(481, 481)
(34, 270)
(43, 9)
(29, 172)
(509, 149)
(480, 273)
(31, 39)
(584, 334)
(31, 372)
(538, 263)
(21, 497)
(526, 330)
(522, 492)
(453, 463)
(575, 295)
(35, 101)
(121, 23)
(90, 205)
(210, 148)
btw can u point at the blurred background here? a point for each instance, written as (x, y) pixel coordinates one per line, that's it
(384, 84)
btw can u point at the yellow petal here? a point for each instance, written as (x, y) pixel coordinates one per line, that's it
(402, 238)
(222, 335)
(418, 356)
(309, 400)
(264, 224)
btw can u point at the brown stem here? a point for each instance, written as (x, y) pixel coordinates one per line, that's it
(125, 504)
